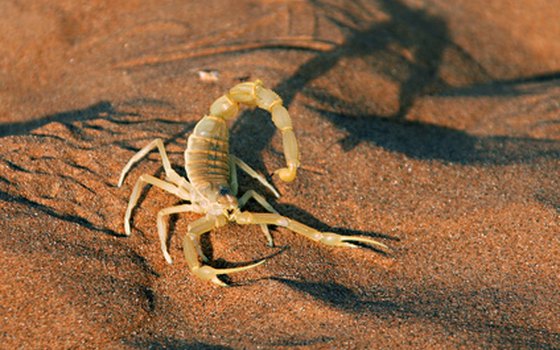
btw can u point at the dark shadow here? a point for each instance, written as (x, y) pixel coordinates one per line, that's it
(333, 294)
(51, 212)
(416, 31)
(446, 308)
(549, 198)
(224, 264)
(53, 244)
(147, 102)
(92, 112)
(147, 294)
(313, 342)
(538, 78)
(100, 110)
(425, 141)
(175, 344)
(250, 135)
(425, 37)
(505, 87)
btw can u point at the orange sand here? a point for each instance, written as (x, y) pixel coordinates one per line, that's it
(433, 126)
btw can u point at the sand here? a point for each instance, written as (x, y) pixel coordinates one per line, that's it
(431, 126)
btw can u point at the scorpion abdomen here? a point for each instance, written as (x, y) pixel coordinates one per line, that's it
(207, 154)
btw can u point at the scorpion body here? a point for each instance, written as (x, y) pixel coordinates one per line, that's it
(207, 155)
(212, 186)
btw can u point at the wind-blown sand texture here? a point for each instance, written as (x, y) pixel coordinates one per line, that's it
(430, 125)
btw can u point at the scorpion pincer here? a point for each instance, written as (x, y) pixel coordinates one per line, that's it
(211, 184)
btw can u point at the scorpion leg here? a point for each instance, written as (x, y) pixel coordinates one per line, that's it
(254, 174)
(170, 174)
(251, 194)
(205, 272)
(258, 197)
(149, 179)
(327, 238)
(262, 201)
(162, 224)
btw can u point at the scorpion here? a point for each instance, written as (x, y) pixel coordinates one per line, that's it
(211, 185)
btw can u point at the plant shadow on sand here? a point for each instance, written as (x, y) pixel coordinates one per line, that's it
(75, 136)
(67, 118)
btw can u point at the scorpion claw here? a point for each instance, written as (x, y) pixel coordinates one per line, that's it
(366, 240)
(208, 273)
(337, 240)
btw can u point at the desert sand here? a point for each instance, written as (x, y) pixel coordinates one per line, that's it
(432, 126)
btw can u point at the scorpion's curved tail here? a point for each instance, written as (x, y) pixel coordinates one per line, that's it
(255, 94)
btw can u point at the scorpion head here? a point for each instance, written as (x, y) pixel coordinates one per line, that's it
(227, 202)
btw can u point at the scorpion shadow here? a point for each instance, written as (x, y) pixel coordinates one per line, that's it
(442, 307)
(426, 36)
(425, 141)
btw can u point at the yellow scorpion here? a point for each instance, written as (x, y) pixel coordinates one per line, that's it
(212, 185)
